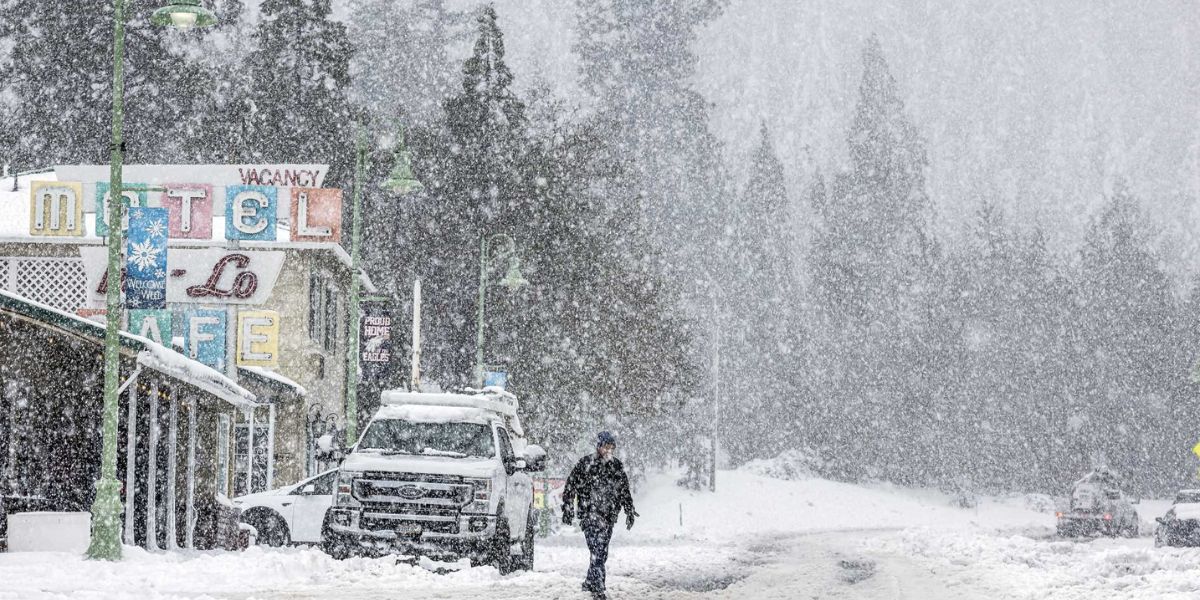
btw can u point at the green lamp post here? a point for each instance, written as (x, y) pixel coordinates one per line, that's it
(106, 509)
(400, 181)
(513, 280)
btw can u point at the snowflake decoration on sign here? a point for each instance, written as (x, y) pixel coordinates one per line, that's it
(160, 274)
(157, 229)
(144, 255)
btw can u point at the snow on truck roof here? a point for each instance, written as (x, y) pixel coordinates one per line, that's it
(423, 405)
(436, 414)
(490, 399)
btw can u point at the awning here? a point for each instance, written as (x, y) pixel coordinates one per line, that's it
(148, 353)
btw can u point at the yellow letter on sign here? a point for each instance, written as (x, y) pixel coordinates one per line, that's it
(258, 338)
(56, 208)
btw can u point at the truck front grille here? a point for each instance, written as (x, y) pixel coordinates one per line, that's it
(410, 508)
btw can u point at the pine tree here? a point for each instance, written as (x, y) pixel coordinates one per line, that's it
(299, 76)
(637, 61)
(1126, 311)
(401, 69)
(595, 336)
(873, 269)
(59, 74)
(762, 348)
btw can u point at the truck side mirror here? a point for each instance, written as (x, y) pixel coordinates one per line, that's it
(535, 458)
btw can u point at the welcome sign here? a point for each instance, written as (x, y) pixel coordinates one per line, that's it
(146, 259)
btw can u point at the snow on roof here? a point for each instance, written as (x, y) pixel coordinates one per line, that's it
(149, 353)
(276, 377)
(15, 213)
(1187, 511)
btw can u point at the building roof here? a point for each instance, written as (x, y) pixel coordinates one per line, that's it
(274, 378)
(149, 354)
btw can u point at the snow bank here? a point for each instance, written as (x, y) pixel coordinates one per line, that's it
(1048, 568)
(748, 503)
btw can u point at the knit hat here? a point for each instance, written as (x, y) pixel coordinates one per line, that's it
(605, 438)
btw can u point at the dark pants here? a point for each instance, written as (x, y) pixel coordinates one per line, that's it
(597, 529)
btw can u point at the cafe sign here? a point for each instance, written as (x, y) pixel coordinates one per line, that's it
(200, 276)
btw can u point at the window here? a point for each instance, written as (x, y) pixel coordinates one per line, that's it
(241, 458)
(506, 449)
(455, 440)
(331, 318)
(322, 485)
(323, 311)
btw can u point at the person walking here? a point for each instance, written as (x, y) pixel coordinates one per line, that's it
(600, 486)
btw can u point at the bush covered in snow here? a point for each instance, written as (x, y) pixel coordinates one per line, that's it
(791, 465)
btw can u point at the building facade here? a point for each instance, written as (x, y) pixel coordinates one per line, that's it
(300, 282)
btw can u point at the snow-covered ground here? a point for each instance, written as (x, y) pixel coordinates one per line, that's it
(757, 537)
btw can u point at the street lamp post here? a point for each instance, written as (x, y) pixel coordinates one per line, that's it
(512, 280)
(400, 181)
(106, 509)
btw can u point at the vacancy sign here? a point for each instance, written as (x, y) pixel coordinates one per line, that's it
(56, 209)
(316, 215)
(258, 338)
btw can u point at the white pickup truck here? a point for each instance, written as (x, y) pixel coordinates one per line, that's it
(440, 475)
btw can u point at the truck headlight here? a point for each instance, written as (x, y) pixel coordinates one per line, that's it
(479, 499)
(345, 488)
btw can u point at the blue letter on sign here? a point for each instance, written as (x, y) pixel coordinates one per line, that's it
(251, 212)
(204, 337)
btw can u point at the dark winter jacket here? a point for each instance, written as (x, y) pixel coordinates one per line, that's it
(600, 486)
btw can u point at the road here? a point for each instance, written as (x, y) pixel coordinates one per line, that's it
(878, 563)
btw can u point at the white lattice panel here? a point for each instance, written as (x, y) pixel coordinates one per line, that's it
(57, 282)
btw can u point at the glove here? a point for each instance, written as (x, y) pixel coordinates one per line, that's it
(630, 515)
(567, 516)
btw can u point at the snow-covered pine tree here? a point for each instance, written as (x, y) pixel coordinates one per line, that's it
(637, 61)
(300, 76)
(872, 262)
(1126, 339)
(224, 133)
(595, 335)
(401, 70)
(58, 76)
(762, 339)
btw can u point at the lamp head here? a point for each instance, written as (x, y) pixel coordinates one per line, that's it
(513, 280)
(183, 14)
(402, 180)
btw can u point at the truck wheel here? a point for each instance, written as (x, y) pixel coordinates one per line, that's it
(333, 544)
(500, 553)
(524, 562)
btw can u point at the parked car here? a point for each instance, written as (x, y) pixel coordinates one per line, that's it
(1181, 525)
(290, 514)
(1099, 506)
(439, 475)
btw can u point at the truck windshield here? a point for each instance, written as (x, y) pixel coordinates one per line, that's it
(458, 440)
